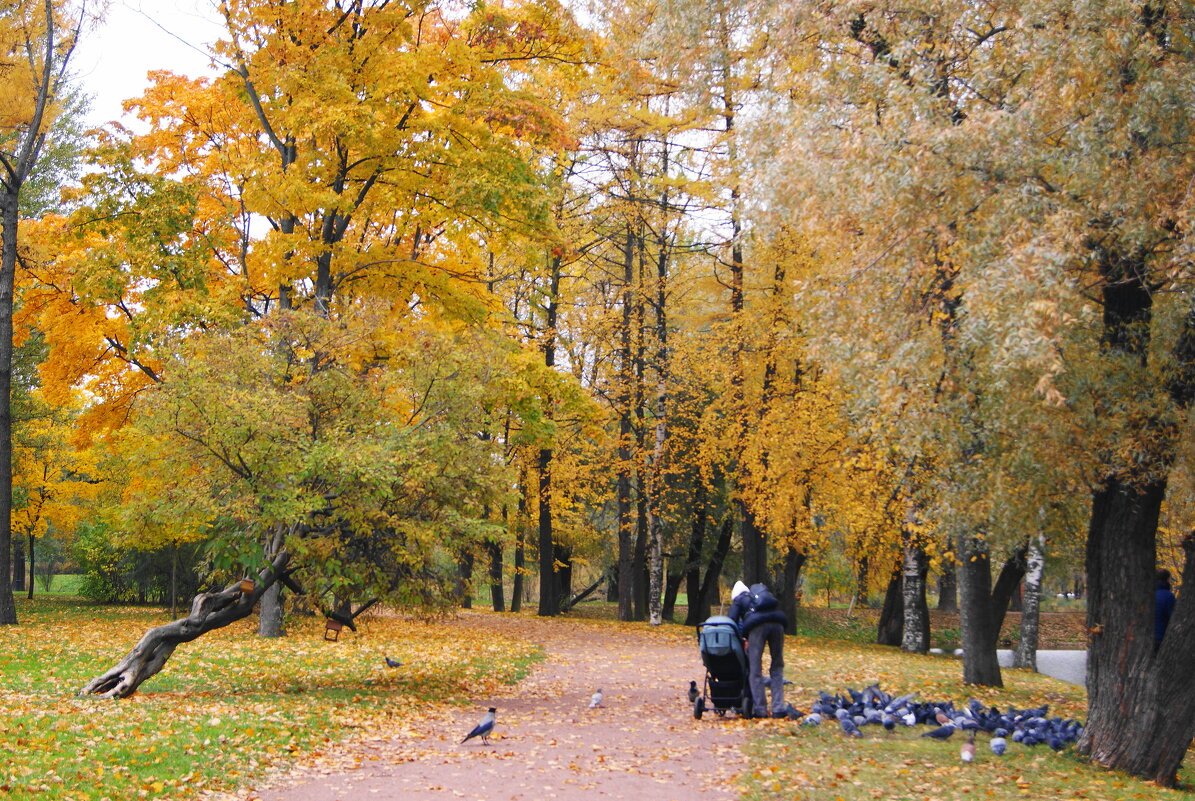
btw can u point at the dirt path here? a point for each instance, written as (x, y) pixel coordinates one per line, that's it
(642, 744)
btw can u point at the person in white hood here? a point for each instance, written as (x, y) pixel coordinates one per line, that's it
(762, 621)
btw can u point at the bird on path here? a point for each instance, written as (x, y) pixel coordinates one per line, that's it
(967, 752)
(482, 729)
(596, 698)
(693, 692)
(941, 733)
(391, 663)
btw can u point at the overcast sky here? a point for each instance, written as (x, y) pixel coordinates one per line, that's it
(138, 36)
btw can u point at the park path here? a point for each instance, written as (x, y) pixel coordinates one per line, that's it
(548, 745)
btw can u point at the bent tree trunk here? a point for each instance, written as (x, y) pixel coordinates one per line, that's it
(983, 610)
(209, 611)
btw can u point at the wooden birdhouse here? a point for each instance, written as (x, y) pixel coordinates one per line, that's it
(332, 630)
(247, 586)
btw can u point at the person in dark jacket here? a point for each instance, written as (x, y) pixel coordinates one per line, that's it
(1163, 607)
(759, 616)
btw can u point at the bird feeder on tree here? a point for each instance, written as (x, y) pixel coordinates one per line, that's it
(247, 585)
(332, 630)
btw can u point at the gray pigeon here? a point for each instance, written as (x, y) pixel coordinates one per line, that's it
(596, 699)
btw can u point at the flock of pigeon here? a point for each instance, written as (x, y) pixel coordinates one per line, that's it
(874, 706)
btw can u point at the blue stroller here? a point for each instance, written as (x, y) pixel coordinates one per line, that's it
(726, 685)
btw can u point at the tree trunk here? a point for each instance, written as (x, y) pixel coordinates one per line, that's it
(755, 548)
(915, 638)
(639, 560)
(713, 573)
(520, 567)
(1141, 707)
(496, 590)
(693, 557)
(671, 590)
(209, 611)
(549, 600)
(549, 596)
(948, 587)
(892, 616)
(8, 266)
(1026, 651)
(1120, 606)
(786, 587)
(270, 615)
(862, 579)
(655, 505)
(18, 565)
(32, 566)
(564, 573)
(1005, 590)
(626, 557)
(976, 615)
(269, 619)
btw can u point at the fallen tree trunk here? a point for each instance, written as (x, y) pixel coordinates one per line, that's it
(209, 611)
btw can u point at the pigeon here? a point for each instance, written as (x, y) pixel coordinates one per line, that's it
(693, 692)
(849, 728)
(998, 745)
(596, 698)
(482, 729)
(967, 752)
(392, 663)
(941, 733)
(812, 719)
(888, 721)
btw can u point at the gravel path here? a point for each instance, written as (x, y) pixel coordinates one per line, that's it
(643, 744)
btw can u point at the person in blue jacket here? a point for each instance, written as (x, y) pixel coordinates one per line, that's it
(758, 614)
(1163, 607)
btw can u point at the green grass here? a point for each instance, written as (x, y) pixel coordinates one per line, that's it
(807, 763)
(226, 709)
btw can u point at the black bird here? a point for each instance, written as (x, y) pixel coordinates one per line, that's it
(941, 733)
(693, 692)
(482, 729)
(392, 662)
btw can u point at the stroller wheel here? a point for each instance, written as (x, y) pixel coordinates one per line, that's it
(698, 708)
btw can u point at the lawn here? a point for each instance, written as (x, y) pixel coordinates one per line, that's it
(227, 708)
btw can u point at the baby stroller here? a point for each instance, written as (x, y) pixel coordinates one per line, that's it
(726, 685)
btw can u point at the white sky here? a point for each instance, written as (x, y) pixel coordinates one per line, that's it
(138, 36)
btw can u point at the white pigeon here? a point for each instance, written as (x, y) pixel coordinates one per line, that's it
(596, 698)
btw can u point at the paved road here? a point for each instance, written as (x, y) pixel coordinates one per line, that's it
(1065, 665)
